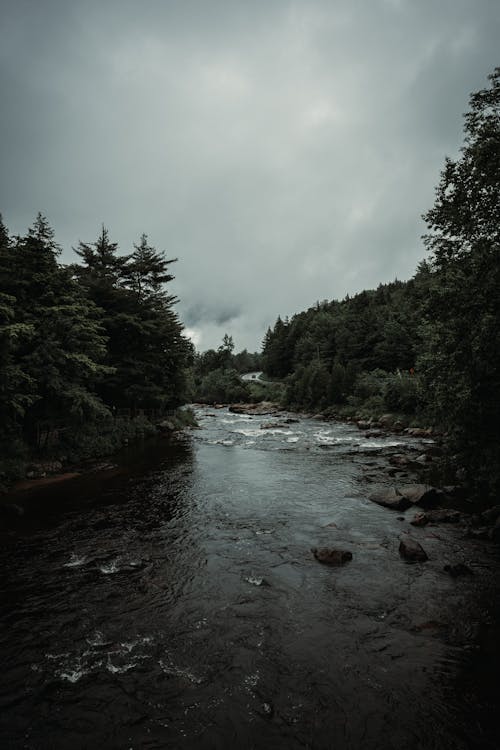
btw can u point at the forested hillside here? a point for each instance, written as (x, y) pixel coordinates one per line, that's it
(427, 348)
(82, 345)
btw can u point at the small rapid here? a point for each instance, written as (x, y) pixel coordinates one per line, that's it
(173, 601)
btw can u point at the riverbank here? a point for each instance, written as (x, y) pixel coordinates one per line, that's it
(177, 598)
(85, 450)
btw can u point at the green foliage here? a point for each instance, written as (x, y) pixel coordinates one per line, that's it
(462, 312)
(361, 353)
(184, 418)
(78, 342)
(95, 439)
(403, 394)
(147, 353)
(222, 386)
(265, 391)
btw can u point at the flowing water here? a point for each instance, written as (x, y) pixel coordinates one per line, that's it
(173, 602)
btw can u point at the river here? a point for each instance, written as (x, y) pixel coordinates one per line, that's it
(173, 602)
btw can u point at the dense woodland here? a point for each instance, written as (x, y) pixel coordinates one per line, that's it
(429, 347)
(85, 348)
(81, 344)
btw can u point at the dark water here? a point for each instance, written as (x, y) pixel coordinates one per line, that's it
(175, 603)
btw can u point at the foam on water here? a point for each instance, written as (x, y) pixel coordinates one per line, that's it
(109, 568)
(75, 561)
(251, 432)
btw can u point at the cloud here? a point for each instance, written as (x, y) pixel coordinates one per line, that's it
(284, 151)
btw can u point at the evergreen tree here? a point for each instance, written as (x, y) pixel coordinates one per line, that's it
(462, 329)
(59, 341)
(146, 351)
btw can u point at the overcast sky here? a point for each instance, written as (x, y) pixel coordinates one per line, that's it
(283, 150)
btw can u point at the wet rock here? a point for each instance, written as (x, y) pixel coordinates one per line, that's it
(421, 494)
(265, 407)
(411, 550)
(291, 420)
(374, 434)
(418, 432)
(274, 426)
(386, 420)
(424, 458)
(399, 460)
(440, 515)
(459, 569)
(391, 499)
(330, 556)
(363, 424)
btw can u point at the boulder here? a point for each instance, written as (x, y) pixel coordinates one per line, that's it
(265, 407)
(418, 432)
(391, 499)
(411, 550)
(329, 556)
(424, 458)
(386, 420)
(440, 515)
(420, 494)
(399, 460)
(363, 424)
(274, 426)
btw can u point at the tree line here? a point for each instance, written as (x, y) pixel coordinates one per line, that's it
(428, 347)
(216, 374)
(81, 342)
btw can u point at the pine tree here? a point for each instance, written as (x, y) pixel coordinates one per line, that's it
(462, 330)
(60, 343)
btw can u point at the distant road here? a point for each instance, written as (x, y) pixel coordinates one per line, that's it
(251, 376)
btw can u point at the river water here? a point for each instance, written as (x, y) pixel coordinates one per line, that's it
(173, 602)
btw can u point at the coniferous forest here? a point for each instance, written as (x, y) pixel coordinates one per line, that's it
(427, 348)
(89, 351)
(83, 344)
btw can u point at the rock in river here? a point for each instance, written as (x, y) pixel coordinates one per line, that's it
(330, 556)
(391, 499)
(411, 550)
(421, 494)
(440, 515)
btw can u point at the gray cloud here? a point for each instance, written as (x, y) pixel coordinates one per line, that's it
(283, 151)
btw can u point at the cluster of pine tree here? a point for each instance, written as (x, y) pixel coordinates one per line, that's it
(429, 346)
(216, 373)
(81, 342)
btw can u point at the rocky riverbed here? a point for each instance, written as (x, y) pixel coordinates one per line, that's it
(243, 585)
